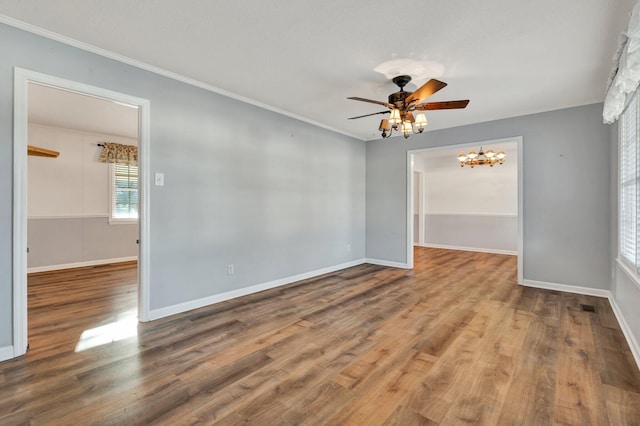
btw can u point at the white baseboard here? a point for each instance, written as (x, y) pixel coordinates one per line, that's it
(80, 264)
(476, 249)
(388, 263)
(626, 330)
(587, 291)
(217, 298)
(6, 353)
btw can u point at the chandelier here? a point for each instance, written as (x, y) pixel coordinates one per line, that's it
(404, 122)
(481, 158)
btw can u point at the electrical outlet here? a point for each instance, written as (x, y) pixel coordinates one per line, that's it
(159, 179)
(230, 269)
(348, 247)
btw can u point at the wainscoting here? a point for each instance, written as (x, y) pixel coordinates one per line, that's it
(474, 232)
(76, 241)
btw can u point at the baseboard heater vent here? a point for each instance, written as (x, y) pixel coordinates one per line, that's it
(588, 308)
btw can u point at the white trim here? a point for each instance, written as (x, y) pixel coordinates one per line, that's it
(520, 259)
(144, 211)
(475, 249)
(626, 330)
(6, 353)
(421, 205)
(80, 264)
(587, 291)
(69, 216)
(388, 263)
(633, 276)
(409, 206)
(22, 78)
(157, 70)
(20, 125)
(473, 214)
(217, 298)
(123, 221)
(409, 212)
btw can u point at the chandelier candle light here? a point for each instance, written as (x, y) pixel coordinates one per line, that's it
(481, 158)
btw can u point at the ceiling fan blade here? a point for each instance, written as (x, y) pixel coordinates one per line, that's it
(367, 115)
(355, 98)
(430, 106)
(426, 90)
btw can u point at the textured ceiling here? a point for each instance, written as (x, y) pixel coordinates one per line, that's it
(306, 57)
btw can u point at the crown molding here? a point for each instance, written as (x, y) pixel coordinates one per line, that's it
(160, 71)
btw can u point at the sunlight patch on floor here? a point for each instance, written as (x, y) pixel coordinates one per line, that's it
(124, 327)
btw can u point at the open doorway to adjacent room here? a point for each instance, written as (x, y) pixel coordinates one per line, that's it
(79, 234)
(464, 208)
(82, 219)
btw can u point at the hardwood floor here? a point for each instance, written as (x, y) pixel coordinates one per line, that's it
(454, 341)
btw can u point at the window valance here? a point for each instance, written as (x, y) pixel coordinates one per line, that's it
(626, 72)
(119, 153)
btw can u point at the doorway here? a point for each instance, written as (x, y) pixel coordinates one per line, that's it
(473, 210)
(24, 80)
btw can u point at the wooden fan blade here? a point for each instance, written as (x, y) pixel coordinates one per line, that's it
(367, 115)
(430, 106)
(355, 98)
(427, 89)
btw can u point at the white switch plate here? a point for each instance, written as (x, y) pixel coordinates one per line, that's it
(159, 179)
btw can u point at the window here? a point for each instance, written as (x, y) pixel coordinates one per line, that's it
(124, 193)
(628, 181)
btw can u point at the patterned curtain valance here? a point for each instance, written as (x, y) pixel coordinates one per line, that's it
(118, 153)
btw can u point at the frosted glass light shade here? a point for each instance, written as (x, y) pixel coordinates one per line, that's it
(394, 118)
(421, 120)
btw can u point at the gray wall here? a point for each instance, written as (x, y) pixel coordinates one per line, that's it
(275, 196)
(566, 192)
(60, 241)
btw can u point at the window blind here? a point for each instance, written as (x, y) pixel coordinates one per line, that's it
(628, 221)
(124, 192)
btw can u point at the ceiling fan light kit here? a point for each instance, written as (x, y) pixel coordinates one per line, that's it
(481, 158)
(402, 104)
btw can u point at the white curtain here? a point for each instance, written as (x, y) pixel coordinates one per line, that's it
(626, 74)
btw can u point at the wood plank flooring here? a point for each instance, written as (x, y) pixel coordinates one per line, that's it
(454, 341)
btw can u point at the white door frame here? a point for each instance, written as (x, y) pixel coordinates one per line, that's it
(420, 176)
(410, 170)
(22, 78)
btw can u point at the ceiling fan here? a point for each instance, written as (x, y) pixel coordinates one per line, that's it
(402, 104)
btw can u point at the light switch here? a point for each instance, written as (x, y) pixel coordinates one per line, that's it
(159, 179)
